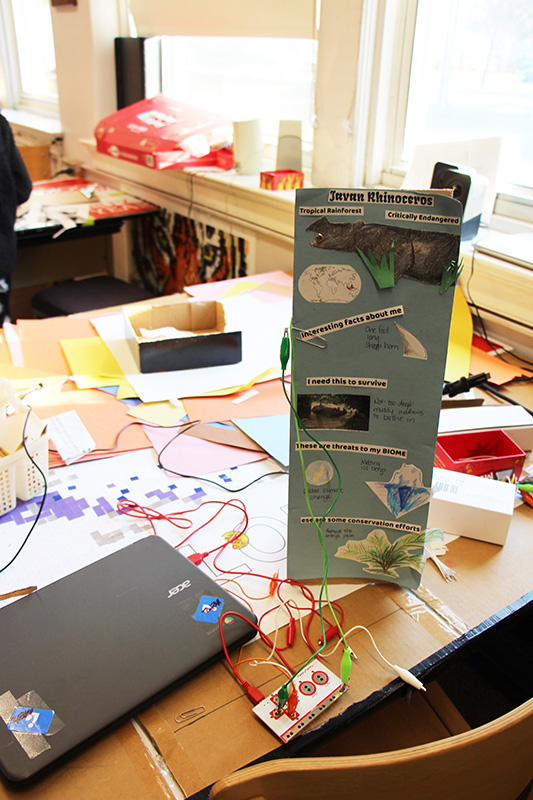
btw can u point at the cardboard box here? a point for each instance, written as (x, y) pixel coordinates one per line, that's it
(514, 420)
(490, 454)
(186, 334)
(282, 179)
(471, 506)
(161, 133)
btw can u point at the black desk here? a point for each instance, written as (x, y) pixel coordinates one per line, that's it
(48, 254)
(45, 235)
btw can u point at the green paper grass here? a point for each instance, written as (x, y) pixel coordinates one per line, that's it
(450, 274)
(383, 273)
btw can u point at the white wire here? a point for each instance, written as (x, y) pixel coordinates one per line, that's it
(359, 628)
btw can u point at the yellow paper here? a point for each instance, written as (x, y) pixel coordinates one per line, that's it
(24, 378)
(272, 372)
(163, 413)
(125, 390)
(460, 341)
(91, 362)
(239, 288)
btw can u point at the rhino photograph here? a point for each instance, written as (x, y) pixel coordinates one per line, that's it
(390, 252)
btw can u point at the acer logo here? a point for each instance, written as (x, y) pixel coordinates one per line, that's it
(179, 588)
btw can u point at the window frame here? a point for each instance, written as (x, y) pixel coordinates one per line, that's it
(16, 98)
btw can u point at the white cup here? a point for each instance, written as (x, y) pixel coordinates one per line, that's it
(248, 146)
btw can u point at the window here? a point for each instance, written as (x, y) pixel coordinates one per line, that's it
(462, 70)
(475, 77)
(262, 78)
(27, 59)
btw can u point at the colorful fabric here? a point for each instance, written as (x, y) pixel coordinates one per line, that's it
(173, 251)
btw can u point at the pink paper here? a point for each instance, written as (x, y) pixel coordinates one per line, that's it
(217, 289)
(188, 455)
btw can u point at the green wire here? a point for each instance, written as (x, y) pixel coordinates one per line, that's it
(285, 350)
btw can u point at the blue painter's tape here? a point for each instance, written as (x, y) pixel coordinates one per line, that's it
(26, 719)
(209, 609)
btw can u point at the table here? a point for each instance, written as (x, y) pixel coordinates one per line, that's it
(46, 251)
(183, 737)
(426, 630)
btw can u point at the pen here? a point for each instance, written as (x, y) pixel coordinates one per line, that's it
(526, 487)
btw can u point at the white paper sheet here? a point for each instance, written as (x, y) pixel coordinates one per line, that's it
(259, 352)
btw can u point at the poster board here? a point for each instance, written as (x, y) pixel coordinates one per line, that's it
(374, 277)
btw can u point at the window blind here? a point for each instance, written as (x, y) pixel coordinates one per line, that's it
(277, 18)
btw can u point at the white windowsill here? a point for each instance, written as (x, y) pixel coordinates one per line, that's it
(497, 287)
(208, 196)
(44, 130)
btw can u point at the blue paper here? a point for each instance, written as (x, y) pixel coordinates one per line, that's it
(270, 433)
(374, 276)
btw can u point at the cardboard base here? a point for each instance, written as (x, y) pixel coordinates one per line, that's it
(199, 751)
(116, 766)
(206, 729)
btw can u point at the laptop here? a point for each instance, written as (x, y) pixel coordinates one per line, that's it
(87, 651)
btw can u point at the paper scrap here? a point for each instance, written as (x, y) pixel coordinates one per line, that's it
(270, 433)
(460, 339)
(70, 436)
(245, 396)
(190, 456)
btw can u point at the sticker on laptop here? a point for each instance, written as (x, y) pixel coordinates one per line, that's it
(209, 609)
(26, 719)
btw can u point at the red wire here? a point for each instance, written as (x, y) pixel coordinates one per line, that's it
(180, 521)
(263, 636)
(132, 509)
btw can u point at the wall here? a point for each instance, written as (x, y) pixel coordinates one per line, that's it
(83, 37)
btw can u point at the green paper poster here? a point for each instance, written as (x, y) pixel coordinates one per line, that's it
(374, 277)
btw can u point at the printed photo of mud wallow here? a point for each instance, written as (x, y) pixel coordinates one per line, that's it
(334, 411)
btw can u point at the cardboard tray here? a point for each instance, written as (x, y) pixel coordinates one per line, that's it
(200, 338)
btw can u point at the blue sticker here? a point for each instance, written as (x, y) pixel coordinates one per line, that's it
(26, 719)
(209, 609)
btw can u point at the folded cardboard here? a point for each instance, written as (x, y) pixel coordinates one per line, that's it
(159, 132)
(514, 420)
(118, 765)
(471, 506)
(490, 453)
(186, 334)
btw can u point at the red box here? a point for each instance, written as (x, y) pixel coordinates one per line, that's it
(161, 133)
(489, 454)
(282, 179)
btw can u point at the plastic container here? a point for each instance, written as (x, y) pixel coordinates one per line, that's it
(20, 475)
(488, 453)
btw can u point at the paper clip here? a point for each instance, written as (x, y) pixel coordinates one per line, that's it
(192, 713)
(308, 341)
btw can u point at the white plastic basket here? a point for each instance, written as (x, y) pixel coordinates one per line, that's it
(19, 475)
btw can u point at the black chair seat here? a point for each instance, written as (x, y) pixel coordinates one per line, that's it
(86, 294)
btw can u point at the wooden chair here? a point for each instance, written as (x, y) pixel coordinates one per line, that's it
(492, 762)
